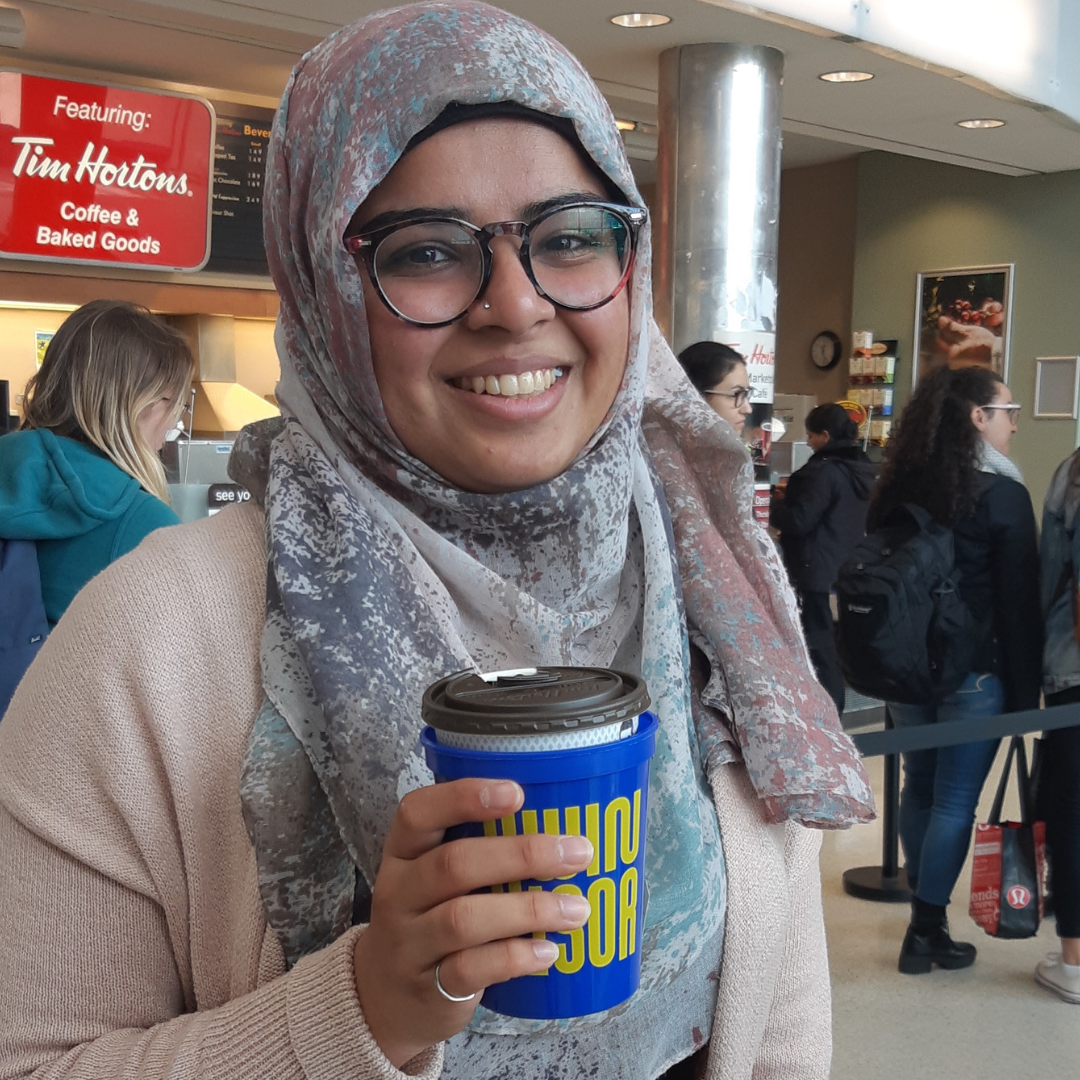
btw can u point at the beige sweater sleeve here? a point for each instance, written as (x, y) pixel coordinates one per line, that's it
(132, 939)
(90, 992)
(773, 1016)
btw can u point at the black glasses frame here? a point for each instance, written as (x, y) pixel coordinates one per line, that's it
(738, 397)
(365, 245)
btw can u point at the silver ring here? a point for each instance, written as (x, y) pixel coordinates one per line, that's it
(442, 990)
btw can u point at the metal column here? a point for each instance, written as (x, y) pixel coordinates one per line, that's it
(718, 195)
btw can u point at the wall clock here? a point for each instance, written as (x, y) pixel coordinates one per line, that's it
(826, 350)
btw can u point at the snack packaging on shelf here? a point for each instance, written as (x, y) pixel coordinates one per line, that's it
(872, 375)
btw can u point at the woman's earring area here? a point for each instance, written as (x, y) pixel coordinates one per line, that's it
(487, 305)
(438, 983)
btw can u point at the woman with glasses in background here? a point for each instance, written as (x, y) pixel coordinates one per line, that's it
(720, 376)
(949, 455)
(82, 477)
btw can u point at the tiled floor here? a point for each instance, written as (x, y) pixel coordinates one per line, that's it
(990, 1022)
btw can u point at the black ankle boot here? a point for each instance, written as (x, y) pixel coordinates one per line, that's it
(927, 942)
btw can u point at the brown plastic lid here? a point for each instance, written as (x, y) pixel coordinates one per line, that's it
(540, 700)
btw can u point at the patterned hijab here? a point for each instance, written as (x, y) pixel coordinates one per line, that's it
(383, 578)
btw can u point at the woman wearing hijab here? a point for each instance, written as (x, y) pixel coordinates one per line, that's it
(251, 883)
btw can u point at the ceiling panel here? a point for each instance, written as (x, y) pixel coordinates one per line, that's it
(248, 47)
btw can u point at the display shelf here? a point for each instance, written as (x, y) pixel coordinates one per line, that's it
(872, 370)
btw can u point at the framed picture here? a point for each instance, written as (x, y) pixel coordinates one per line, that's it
(1057, 387)
(963, 316)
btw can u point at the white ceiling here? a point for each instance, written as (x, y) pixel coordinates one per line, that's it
(245, 49)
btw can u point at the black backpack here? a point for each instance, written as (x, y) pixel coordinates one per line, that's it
(904, 633)
(23, 625)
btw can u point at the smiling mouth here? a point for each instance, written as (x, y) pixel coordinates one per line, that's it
(524, 384)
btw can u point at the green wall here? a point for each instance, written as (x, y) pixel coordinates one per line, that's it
(916, 215)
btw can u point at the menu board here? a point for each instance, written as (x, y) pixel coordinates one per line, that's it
(240, 147)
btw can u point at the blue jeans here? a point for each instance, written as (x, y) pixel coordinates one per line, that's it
(941, 788)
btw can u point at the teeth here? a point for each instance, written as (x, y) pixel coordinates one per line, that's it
(523, 385)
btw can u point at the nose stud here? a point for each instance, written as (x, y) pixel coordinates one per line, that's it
(487, 306)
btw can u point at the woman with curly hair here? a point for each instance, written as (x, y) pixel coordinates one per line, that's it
(950, 456)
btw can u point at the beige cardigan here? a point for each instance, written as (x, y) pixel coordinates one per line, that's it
(133, 941)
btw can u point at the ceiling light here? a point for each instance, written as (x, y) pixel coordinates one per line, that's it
(846, 76)
(637, 19)
(625, 125)
(980, 124)
(31, 305)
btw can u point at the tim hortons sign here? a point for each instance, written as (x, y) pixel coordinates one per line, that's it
(104, 175)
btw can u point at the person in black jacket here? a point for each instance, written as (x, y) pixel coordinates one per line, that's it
(950, 456)
(1059, 793)
(821, 517)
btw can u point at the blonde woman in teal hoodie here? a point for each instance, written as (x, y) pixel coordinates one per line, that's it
(82, 477)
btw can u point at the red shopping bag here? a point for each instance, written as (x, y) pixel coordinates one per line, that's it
(1008, 874)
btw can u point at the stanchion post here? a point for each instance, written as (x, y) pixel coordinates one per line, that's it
(890, 822)
(886, 883)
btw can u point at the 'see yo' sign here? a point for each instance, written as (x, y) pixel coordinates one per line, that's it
(104, 175)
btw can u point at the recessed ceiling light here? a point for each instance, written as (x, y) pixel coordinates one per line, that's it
(625, 125)
(846, 76)
(637, 19)
(980, 124)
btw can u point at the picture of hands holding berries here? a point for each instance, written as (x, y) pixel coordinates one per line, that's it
(963, 318)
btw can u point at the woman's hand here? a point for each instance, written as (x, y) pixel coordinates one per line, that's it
(424, 913)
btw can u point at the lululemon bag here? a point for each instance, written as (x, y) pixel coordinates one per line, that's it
(903, 633)
(1008, 871)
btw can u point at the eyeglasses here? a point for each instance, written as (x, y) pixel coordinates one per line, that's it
(429, 270)
(738, 397)
(1012, 410)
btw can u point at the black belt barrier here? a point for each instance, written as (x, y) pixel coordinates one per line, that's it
(888, 882)
(955, 732)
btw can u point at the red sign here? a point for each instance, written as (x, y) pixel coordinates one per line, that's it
(104, 175)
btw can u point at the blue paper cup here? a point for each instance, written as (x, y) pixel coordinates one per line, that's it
(599, 791)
